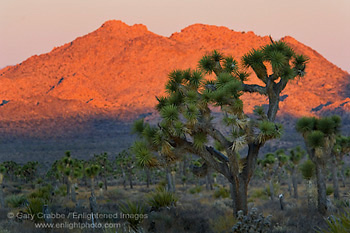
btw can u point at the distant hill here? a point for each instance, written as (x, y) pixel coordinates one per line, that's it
(116, 71)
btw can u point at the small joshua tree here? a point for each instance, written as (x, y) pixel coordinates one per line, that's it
(320, 138)
(70, 170)
(269, 167)
(2, 173)
(92, 171)
(341, 148)
(295, 156)
(308, 172)
(106, 167)
(125, 162)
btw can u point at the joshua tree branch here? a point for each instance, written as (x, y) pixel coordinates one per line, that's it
(208, 154)
(254, 88)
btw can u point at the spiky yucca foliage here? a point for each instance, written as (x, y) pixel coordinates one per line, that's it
(319, 133)
(308, 169)
(15, 201)
(162, 198)
(296, 154)
(134, 213)
(187, 124)
(338, 224)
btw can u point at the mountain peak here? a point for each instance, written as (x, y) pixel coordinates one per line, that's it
(120, 26)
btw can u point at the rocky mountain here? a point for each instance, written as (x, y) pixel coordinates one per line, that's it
(116, 71)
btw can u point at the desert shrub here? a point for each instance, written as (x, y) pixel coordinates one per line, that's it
(196, 189)
(190, 216)
(253, 222)
(329, 190)
(223, 223)
(43, 193)
(162, 198)
(162, 184)
(15, 201)
(338, 224)
(221, 193)
(134, 213)
(35, 207)
(61, 191)
(259, 193)
(116, 194)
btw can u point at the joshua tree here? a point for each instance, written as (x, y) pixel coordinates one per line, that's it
(105, 165)
(341, 148)
(282, 160)
(269, 166)
(12, 169)
(295, 156)
(64, 168)
(2, 173)
(320, 138)
(187, 124)
(125, 162)
(29, 170)
(308, 171)
(91, 171)
(70, 170)
(76, 173)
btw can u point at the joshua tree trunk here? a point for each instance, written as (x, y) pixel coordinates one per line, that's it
(105, 182)
(101, 192)
(295, 184)
(239, 184)
(73, 194)
(342, 177)
(335, 179)
(272, 191)
(2, 201)
(239, 196)
(208, 182)
(124, 179)
(290, 186)
(184, 167)
(92, 186)
(171, 187)
(321, 190)
(148, 177)
(130, 180)
(68, 183)
(309, 193)
(173, 179)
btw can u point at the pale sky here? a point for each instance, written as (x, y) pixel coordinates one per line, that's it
(29, 27)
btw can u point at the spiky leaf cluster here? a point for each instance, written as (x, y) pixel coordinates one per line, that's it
(269, 160)
(92, 170)
(269, 130)
(341, 147)
(285, 63)
(319, 132)
(296, 154)
(308, 169)
(281, 157)
(144, 157)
